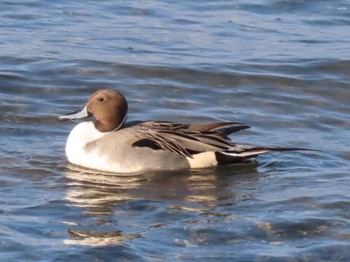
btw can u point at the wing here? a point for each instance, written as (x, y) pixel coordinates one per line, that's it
(184, 140)
(189, 140)
(222, 128)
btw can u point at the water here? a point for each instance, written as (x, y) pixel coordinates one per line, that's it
(280, 66)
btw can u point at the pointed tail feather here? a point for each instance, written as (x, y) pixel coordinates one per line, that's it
(240, 154)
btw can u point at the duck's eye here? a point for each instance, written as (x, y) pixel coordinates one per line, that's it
(100, 99)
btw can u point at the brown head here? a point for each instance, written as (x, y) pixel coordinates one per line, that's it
(108, 107)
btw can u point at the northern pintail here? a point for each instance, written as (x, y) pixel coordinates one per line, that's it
(110, 144)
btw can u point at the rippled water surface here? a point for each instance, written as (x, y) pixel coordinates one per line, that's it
(280, 66)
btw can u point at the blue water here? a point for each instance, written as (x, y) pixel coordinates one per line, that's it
(280, 66)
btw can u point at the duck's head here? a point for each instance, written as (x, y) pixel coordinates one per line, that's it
(108, 107)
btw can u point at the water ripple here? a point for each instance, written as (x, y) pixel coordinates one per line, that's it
(279, 66)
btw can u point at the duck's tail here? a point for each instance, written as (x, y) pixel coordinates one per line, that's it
(241, 153)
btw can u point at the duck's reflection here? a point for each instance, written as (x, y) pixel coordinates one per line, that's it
(97, 192)
(108, 195)
(91, 238)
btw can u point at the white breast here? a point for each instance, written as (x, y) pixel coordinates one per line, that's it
(78, 138)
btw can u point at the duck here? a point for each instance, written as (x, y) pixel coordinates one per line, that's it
(108, 143)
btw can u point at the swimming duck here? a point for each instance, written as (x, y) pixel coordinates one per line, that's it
(110, 144)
